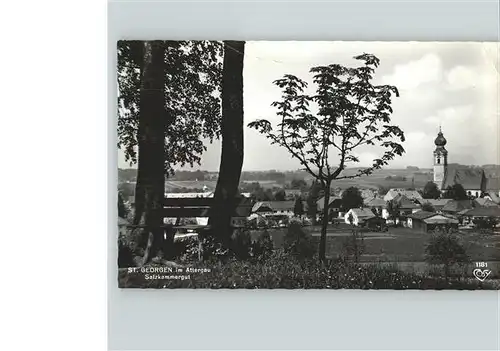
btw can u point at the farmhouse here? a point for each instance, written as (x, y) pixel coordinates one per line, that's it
(377, 204)
(405, 205)
(454, 207)
(270, 208)
(412, 195)
(438, 204)
(483, 212)
(335, 202)
(424, 221)
(359, 216)
(485, 202)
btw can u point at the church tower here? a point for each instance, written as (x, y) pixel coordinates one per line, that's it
(440, 159)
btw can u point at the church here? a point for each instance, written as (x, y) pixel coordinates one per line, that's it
(473, 180)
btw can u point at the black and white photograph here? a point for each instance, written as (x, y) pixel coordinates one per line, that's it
(308, 165)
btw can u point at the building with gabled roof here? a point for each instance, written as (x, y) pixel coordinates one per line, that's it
(425, 221)
(359, 216)
(410, 194)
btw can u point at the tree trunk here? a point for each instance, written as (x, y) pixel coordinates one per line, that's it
(324, 224)
(150, 187)
(232, 142)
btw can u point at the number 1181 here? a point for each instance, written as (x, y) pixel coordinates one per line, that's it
(481, 264)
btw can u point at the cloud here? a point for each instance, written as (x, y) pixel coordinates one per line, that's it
(450, 115)
(412, 75)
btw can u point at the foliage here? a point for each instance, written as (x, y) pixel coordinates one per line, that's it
(263, 247)
(298, 184)
(352, 112)
(299, 243)
(445, 249)
(298, 208)
(193, 76)
(427, 206)
(257, 192)
(122, 209)
(280, 195)
(283, 271)
(241, 244)
(455, 192)
(431, 191)
(393, 210)
(485, 223)
(351, 198)
(126, 189)
(354, 245)
(312, 198)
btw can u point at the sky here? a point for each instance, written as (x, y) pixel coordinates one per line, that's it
(454, 85)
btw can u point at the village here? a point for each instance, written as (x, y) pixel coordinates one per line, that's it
(386, 219)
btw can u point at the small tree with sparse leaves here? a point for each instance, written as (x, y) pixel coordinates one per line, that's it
(352, 113)
(445, 249)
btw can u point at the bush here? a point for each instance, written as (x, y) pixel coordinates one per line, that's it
(299, 243)
(263, 247)
(241, 244)
(287, 272)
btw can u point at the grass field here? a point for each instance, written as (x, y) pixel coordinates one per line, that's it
(372, 181)
(403, 247)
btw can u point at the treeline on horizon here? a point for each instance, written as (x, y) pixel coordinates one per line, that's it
(130, 174)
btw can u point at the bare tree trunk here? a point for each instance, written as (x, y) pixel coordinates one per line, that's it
(151, 143)
(324, 224)
(232, 142)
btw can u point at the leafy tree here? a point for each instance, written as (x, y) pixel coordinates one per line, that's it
(298, 184)
(312, 199)
(298, 208)
(427, 206)
(445, 249)
(280, 195)
(431, 191)
(126, 189)
(351, 198)
(393, 209)
(352, 112)
(298, 243)
(225, 200)
(455, 192)
(192, 79)
(167, 102)
(150, 187)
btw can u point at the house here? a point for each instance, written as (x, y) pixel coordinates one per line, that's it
(424, 221)
(493, 197)
(483, 212)
(377, 204)
(485, 202)
(438, 204)
(271, 208)
(454, 207)
(359, 216)
(334, 203)
(492, 189)
(413, 195)
(405, 205)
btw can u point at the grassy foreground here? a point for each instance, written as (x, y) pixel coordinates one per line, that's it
(284, 272)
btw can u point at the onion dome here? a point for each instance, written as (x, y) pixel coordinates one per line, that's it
(440, 140)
